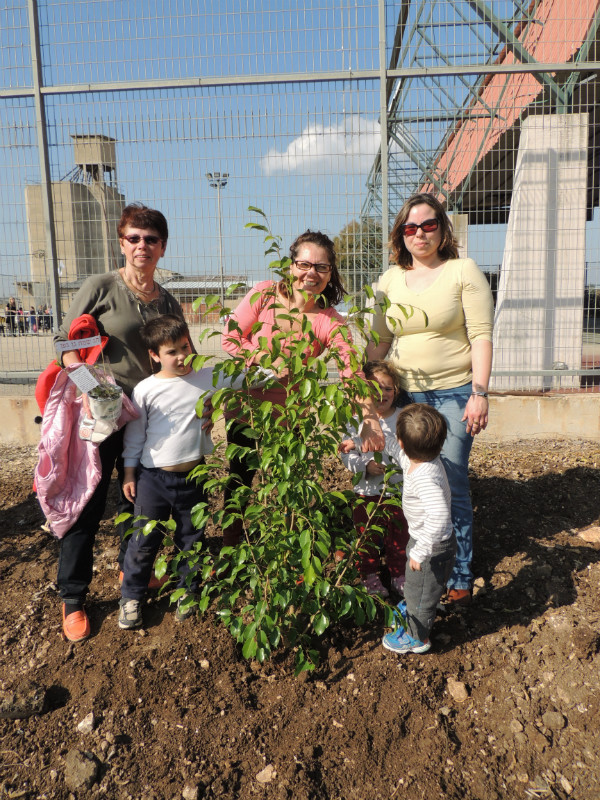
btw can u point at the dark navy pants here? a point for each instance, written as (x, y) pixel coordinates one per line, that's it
(160, 495)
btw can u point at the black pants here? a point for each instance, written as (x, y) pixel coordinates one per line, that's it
(76, 555)
(160, 494)
(238, 466)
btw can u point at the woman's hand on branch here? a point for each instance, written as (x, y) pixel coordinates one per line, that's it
(372, 435)
(276, 365)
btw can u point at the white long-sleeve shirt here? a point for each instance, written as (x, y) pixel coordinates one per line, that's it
(425, 504)
(168, 430)
(356, 461)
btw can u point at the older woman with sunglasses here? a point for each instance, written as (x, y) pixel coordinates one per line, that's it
(438, 332)
(120, 302)
(311, 293)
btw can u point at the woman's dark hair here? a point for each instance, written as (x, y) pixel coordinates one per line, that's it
(422, 430)
(448, 245)
(334, 291)
(137, 215)
(166, 329)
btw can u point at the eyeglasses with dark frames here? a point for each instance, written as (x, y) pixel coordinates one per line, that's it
(429, 226)
(135, 238)
(322, 269)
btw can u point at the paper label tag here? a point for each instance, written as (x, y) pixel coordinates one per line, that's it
(78, 344)
(83, 379)
(86, 429)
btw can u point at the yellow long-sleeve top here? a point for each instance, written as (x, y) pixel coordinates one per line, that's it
(431, 331)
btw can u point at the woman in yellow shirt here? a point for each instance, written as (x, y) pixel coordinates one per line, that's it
(437, 332)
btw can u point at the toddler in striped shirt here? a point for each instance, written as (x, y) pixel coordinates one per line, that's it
(431, 549)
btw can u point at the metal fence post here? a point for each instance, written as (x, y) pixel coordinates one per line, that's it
(383, 130)
(42, 138)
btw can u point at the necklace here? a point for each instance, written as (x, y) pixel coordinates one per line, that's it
(139, 291)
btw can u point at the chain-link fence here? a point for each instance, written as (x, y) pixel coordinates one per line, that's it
(324, 114)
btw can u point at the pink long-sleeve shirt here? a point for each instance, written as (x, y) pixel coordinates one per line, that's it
(326, 329)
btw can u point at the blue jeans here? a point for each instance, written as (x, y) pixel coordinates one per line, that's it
(451, 404)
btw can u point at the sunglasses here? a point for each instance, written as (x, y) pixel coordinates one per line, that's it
(429, 226)
(306, 265)
(135, 238)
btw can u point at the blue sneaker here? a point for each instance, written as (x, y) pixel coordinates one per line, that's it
(401, 613)
(402, 642)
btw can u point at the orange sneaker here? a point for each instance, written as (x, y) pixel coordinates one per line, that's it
(153, 583)
(76, 625)
(458, 597)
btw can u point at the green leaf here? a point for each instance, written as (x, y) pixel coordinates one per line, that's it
(203, 604)
(309, 575)
(305, 539)
(257, 211)
(326, 414)
(256, 226)
(322, 549)
(160, 566)
(305, 389)
(149, 527)
(249, 648)
(346, 607)
(321, 623)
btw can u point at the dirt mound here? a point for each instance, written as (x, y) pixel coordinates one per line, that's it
(505, 706)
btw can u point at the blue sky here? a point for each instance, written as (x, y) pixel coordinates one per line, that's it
(301, 151)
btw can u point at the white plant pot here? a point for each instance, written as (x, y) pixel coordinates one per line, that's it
(107, 408)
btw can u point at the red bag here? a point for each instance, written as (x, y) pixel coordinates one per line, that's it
(82, 327)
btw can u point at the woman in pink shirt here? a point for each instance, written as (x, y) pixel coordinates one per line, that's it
(283, 307)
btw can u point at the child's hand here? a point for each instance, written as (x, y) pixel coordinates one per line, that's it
(346, 446)
(414, 565)
(373, 468)
(129, 490)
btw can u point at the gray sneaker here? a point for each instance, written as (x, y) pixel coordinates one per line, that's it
(186, 607)
(130, 613)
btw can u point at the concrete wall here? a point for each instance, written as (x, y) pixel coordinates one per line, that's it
(574, 416)
(539, 310)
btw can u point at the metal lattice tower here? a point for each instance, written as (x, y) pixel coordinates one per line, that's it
(465, 74)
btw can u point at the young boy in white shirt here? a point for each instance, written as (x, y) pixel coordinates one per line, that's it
(161, 447)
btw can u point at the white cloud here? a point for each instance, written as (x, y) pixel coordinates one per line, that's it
(347, 147)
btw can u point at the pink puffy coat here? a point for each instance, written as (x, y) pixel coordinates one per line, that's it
(68, 468)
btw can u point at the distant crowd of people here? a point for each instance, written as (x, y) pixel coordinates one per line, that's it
(18, 322)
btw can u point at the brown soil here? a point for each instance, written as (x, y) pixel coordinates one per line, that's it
(506, 705)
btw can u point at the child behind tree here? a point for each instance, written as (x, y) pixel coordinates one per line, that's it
(369, 489)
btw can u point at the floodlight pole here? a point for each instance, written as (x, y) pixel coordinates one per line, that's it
(217, 180)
